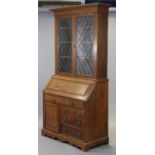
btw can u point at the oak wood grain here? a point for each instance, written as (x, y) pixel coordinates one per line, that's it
(75, 107)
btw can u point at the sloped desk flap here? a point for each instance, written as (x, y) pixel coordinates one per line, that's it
(70, 87)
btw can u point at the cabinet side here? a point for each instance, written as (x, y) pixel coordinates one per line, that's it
(97, 113)
(102, 39)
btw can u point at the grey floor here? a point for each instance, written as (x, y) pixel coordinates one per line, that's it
(49, 146)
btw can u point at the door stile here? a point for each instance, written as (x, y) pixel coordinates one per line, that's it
(74, 45)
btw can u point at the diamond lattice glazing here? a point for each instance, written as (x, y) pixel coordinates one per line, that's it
(84, 48)
(65, 44)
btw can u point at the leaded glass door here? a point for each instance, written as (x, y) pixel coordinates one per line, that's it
(84, 45)
(75, 45)
(65, 45)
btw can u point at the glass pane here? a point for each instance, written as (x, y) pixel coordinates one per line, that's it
(65, 45)
(84, 48)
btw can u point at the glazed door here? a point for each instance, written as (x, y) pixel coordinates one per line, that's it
(64, 45)
(84, 45)
(75, 45)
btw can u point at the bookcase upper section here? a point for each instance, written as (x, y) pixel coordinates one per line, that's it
(81, 40)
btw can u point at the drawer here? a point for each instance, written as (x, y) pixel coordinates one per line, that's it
(70, 102)
(64, 101)
(80, 124)
(67, 130)
(72, 116)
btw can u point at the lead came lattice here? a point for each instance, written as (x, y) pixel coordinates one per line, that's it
(65, 44)
(84, 48)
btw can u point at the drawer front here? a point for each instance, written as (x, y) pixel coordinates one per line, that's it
(72, 132)
(78, 123)
(72, 116)
(64, 101)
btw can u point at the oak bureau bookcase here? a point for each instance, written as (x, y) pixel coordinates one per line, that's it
(75, 100)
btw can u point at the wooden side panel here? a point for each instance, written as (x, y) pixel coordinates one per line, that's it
(97, 113)
(102, 108)
(102, 37)
(51, 117)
